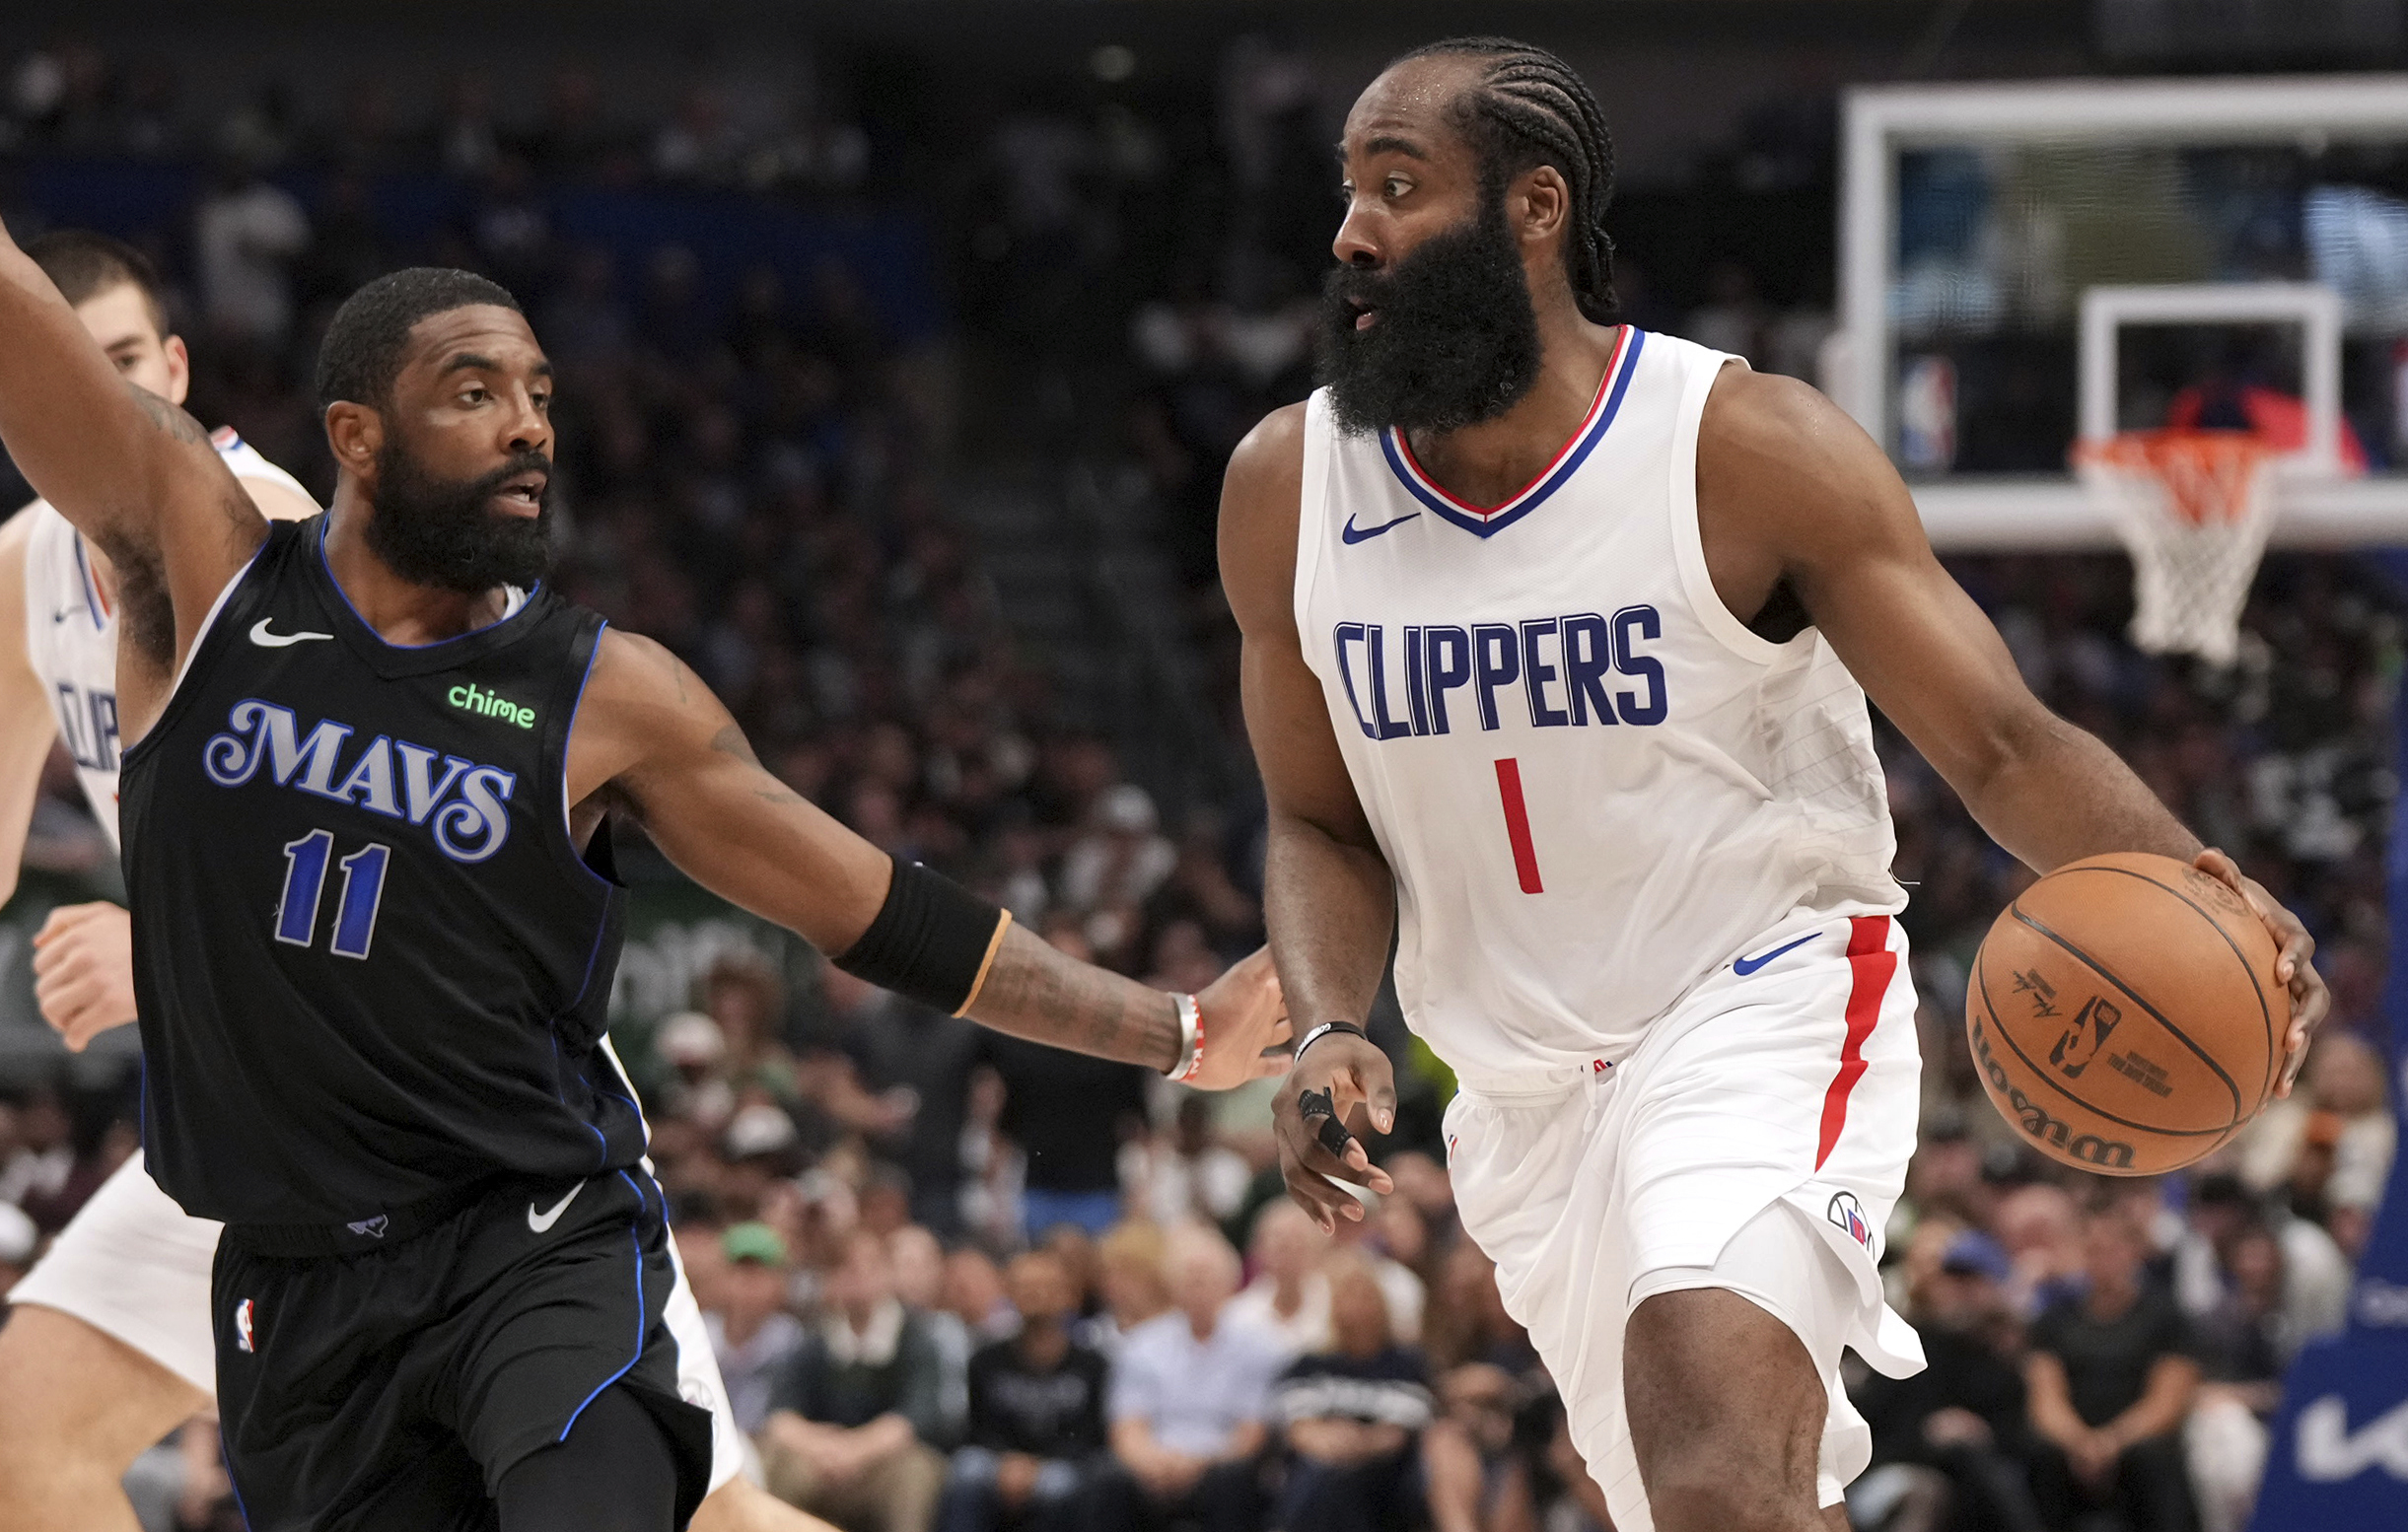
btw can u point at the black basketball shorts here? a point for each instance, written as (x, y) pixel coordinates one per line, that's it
(393, 1389)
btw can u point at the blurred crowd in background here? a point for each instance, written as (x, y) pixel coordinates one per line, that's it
(962, 1281)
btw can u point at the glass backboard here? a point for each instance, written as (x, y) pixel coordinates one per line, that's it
(1976, 221)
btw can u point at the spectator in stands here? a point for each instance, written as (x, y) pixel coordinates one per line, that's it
(1350, 1417)
(1475, 1482)
(2243, 1354)
(907, 1053)
(2333, 1137)
(858, 1414)
(1405, 1293)
(1469, 1323)
(1133, 1282)
(2040, 1227)
(1180, 1171)
(1947, 1443)
(2315, 1296)
(2110, 1375)
(920, 1271)
(752, 1335)
(1036, 1431)
(1189, 1395)
(247, 232)
(1123, 855)
(1289, 1297)
(1066, 1113)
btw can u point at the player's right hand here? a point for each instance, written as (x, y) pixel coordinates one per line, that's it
(84, 971)
(1341, 1079)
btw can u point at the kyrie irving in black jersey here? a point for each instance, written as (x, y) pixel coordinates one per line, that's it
(374, 922)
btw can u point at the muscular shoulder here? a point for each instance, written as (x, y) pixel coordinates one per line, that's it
(1781, 467)
(1260, 499)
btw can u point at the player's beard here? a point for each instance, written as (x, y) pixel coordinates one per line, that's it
(446, 533)
(1456, 340)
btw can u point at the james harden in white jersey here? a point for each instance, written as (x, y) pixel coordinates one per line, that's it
(1554, 636)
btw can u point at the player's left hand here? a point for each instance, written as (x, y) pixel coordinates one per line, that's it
(1341, 1076)
(84, 971)
(2309, 999)
(1245, 1015)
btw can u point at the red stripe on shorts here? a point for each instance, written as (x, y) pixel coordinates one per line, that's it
(1870, 965)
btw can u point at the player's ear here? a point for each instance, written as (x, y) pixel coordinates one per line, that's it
(354, 433)
(179, 368)
(1538, 205)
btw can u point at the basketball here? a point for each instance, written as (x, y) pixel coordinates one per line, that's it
(2124, 1013)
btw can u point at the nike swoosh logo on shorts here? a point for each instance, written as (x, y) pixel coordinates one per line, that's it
(1747, 965)
(266, 640)
(542, 1222)
(1350, 536)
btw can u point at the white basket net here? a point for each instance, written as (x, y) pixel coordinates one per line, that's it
(2193, 508)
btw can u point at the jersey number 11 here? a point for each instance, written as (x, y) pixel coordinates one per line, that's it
(355, 914)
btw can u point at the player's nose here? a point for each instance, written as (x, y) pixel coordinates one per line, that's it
(1355, 244)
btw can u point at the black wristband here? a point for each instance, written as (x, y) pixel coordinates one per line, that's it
(932, 941)
(1323, 1030)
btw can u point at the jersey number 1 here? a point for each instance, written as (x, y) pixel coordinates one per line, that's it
(355, 914)
(1518, 826)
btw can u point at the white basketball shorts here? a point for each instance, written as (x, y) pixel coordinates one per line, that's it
(1787, 1078)
(135, 1266)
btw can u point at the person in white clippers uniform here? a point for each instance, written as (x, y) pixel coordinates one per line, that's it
(109, 1348)
(1554, 631)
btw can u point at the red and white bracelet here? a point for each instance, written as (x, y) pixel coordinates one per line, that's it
(1191, 1039)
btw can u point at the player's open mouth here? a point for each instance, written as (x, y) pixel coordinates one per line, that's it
(522, 496)
(1365, 314)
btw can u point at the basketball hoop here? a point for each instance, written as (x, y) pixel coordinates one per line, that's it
(2193, 508)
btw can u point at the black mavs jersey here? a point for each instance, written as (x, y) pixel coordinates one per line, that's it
(372, 965)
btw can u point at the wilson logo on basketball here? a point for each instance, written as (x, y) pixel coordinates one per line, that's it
(2086, 1149)
(2085, 1035)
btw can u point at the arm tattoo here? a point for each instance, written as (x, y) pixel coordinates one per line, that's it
(1036, 992)
(731, 740)
(170, 421)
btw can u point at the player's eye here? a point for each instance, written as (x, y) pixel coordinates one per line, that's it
(1397, 186)
(1346, 191)
(475, 393)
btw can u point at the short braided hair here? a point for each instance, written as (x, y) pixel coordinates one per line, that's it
(365, 342)
(1532, 109)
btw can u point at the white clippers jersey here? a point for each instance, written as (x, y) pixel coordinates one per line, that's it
(1594, 784)
(71, 632)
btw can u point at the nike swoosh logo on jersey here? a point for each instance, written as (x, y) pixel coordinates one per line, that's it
(65, 612)
(266, 640)
(542, 1222)
(1747, 965)
(1350, 536)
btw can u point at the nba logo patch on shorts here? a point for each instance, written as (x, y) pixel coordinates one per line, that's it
(1848, 1215)
(242, 1325)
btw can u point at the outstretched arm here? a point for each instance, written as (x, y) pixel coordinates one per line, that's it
(134, 473)
(1788, 486)
(1328, 894)
(651, 740)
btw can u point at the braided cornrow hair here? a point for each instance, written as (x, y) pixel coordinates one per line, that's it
(1533, 109)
